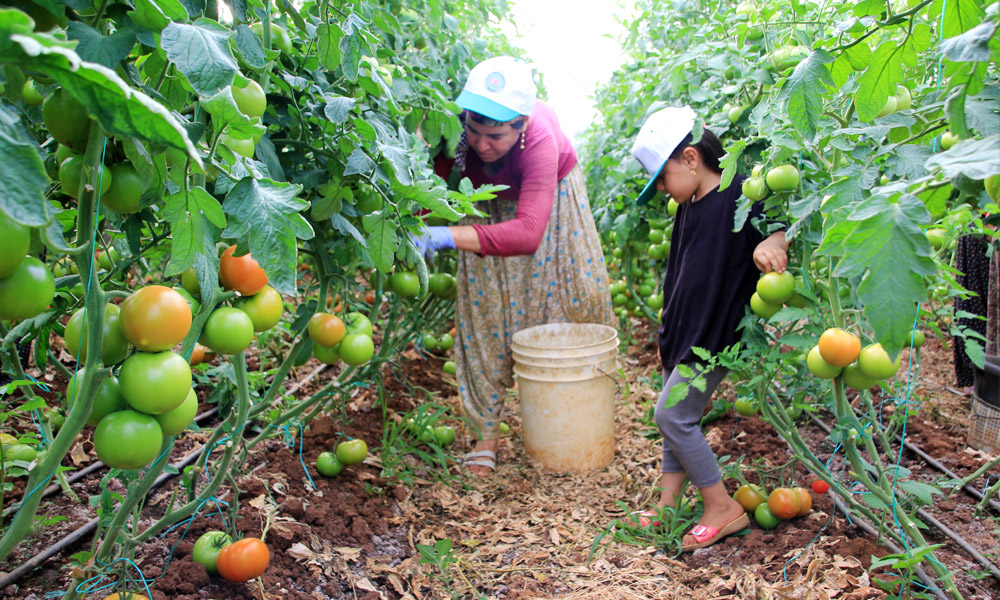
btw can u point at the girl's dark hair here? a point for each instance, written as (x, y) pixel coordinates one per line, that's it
(516, 123)
(709, 147)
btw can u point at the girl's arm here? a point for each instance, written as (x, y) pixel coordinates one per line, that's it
(772, 253)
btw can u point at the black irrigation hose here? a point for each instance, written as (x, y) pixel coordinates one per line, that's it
(940, 467)
(947, 531)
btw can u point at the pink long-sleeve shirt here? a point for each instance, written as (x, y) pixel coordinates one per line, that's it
(532, 174)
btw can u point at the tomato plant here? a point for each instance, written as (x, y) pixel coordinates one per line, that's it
(206, 549)
(241, 273)
(155, 383)
(155, 318)
(352, 452)
(127, 440)
(243, 560)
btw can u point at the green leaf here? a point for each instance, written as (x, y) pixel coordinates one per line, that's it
(976, 159)
(803, 92)
(22, 173)
(350, 49)
(121, 110)
(883, 243)
(880, 79)
(94, 47)
(358, 162)
(868, 8)
(959, 15)
(338, 108)
(924, 492)
(730, 161)
(147, 14)
(201, 52)
(250, 47)
(398, 160)
(267, 213)
(382, 239)
(430, 196)
(328, 37)
(345, 227)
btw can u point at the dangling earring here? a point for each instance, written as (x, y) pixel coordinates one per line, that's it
(522, 140)
(693, 172)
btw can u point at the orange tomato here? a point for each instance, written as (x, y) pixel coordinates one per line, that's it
(155, 318)
(241, 273)
(805, 501)
(838, 347)
(784, 503)
(197, 355)
(243, 560)
(370, 297)
(326, 329)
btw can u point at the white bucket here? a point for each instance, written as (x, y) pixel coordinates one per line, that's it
(565, 377)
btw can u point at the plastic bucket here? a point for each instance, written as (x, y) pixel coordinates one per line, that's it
(565, 377)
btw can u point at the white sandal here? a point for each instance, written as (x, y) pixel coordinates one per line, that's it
(483, 458)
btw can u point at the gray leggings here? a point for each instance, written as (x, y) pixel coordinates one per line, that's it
(684, 447)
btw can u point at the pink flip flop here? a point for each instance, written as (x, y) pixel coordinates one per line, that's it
(646, 518)
(705, 535)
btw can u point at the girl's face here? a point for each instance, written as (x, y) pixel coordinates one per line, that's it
(677, 181)
(491, 143)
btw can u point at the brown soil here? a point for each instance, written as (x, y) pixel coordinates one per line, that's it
(524, 533)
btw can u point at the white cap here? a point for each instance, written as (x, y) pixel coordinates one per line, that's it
(500, 88)
(659, 136)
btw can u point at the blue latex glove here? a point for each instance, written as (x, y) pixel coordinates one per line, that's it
(433, 239)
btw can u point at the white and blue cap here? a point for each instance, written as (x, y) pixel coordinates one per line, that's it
(659, 136)
(500, 88)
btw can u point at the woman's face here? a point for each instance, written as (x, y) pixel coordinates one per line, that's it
(677, 181)
(491, 143)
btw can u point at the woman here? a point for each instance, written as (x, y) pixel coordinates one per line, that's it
(536, 258)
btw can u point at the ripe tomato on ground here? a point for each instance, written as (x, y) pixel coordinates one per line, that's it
(206, 549)
(243, 560)
(155, 318)
(750, 496)
(784, 503)
(128, 440)
(241, 273)
(805, 501)
(838, 347)
(820, 487)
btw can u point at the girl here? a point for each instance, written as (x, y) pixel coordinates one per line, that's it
(710, 278)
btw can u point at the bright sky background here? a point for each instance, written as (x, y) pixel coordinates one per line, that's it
(568, 42)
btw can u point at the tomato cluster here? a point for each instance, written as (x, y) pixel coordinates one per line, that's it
(770, 509)
(238, 561)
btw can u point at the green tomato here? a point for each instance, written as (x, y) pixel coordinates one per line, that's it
(504, 429)
(264, 308)
(228, 331)
(445, 342)
(443, 285)
(14, 242)
(66, 120)
(71, 173)
(405, 284)
(189, 281)
(206, 549)
(948, 139)
(762, 309)
(177, 420)
(328, 465)
(250, 99)
(856, 380)
(764, 517)
(358, 323)
(992, 184)
(429, 342)
(128, 440)
(754, 188)
(450, 367)
(735, 113)
(889, 108)
(125, 191)
(746, 407)
(874, 362)
(672, 206)
(782, 178)
(280, 39)
(27, 291)
(114, 347)
(108, 398)
(326, 355)
(903, 98)
(936, 237)
(194, 304)
(155, 382)
(356, 349)
(242, 147)
(819, 367)
(20, 452)
(352, 452)
(917, 338)
(29, 95)
(776, 288)
(444, 434)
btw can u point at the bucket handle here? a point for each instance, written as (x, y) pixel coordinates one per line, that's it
(620, 372)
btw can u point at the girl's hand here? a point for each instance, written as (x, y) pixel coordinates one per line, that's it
(772, 253)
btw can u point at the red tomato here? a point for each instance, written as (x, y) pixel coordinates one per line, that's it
(784, 503)
(155, 318)
(243, 560)
(820, 487)
(241, 273)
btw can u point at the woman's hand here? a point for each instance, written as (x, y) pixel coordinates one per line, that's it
(432, 239)
(772, 253)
